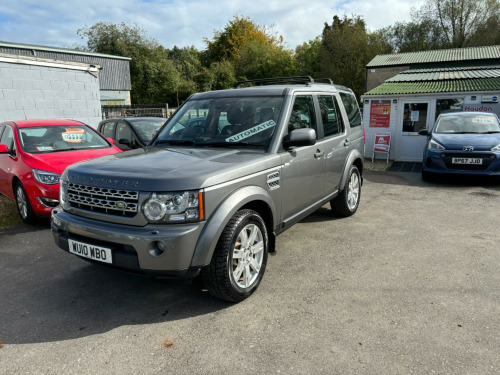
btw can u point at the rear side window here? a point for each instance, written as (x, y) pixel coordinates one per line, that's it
(352, 109)
(330, 115)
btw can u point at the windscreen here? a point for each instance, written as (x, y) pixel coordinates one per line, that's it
(223, 122)
(57, 138)
(147, 128)
(482, 123)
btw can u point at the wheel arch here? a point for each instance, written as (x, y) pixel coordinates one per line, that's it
(354, 158)
(249, 197)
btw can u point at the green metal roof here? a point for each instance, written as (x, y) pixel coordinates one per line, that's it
(443, 74)
(443, 55)
(451, 85)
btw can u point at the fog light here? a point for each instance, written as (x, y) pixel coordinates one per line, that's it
(157, 248)
(48, 202)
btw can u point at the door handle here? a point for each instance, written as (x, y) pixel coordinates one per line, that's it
(318, 154)
(347, 142)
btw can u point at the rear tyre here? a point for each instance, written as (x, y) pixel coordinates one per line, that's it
(23, 204)
(239, 259)
(347, 202)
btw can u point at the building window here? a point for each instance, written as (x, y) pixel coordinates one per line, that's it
(449, 105)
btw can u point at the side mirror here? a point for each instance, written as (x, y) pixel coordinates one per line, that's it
(300, 137)
(423, 132)
(110, 140)
(4, 149)
(124, 141)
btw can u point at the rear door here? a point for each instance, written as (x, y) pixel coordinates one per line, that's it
(334, 141)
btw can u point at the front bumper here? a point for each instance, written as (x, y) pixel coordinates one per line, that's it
(131, 246)
(35, 191)
(440, 162)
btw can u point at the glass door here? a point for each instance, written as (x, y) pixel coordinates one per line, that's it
(414, 117)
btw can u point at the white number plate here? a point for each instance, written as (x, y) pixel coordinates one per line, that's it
(467, 161)
(101, 254)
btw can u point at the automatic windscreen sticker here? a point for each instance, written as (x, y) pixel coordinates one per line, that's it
(483, 120)
(252, 131)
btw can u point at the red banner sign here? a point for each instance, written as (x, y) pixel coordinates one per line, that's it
(382, 143)
(380, 115)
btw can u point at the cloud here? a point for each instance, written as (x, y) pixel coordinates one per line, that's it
(184, 22)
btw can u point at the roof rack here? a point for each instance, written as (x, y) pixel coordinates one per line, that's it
(275, 80)
(323, 80)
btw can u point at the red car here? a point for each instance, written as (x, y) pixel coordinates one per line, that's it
(34, 153)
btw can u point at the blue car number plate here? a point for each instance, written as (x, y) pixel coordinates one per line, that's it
(467, 161)
(101, 254)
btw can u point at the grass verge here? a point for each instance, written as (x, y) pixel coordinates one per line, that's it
(8, 213)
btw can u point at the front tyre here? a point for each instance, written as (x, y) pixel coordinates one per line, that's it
(23, 204)
(239, 259)
(347, 202)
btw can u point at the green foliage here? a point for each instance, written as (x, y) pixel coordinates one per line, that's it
(153, 76)
(307, 57)
(346, 48)
(253, 51)
(460, 22)
(415, 36)
(246, 50)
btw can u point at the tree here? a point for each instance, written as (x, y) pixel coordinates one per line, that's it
(415, 36)
(346, 48)
(459, 20)
(254, 51)
(153, 76)
(307, 57)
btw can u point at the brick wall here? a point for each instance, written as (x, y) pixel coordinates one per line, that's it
(42, 92)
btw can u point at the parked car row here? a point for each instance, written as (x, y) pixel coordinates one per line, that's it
(34, 153)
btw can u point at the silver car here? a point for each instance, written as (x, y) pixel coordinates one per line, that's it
(209, 199)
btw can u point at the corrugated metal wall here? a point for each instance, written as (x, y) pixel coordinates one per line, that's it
(115, 73)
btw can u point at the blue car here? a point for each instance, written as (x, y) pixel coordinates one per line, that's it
(466, 143)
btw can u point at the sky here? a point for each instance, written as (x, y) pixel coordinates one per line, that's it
(184, 23)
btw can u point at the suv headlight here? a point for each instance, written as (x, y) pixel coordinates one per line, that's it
(174, 207)
(434, 146)
(47, 178)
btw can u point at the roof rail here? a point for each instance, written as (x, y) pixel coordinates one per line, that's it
(323, 80)
(275, 80)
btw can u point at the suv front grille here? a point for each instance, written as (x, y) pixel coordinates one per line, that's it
(104, 200)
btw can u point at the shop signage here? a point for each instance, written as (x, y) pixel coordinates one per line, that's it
(489, 99)
(380, 115)
(382, 142)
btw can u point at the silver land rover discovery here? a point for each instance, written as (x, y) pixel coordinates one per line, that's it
(208, 196)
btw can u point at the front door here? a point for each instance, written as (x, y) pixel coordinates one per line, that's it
(303, 174)
(414, 117)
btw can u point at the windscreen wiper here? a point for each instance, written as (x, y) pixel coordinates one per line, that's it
(175, 142)
(228, 144)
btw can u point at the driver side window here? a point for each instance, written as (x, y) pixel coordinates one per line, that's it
(303, 115)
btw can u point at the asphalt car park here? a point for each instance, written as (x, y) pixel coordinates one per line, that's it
(408, 285)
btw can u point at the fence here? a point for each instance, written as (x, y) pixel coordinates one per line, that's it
(136, 110)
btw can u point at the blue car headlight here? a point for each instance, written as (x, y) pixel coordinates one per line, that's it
(496, 148)
(434, 146)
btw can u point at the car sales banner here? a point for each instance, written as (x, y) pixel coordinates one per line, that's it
(380, 114)
(382, 142)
